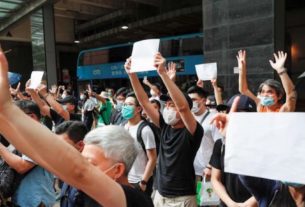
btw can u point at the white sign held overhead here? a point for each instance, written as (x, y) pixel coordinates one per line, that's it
(206, 71)
(36, 78)
(266, 145)
(143, 55)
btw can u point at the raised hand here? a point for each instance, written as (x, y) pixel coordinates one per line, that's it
(200, 83)
(5, 96)
(127, 65)
(160, 64)
(43, 90)
(280, 60)
(145, 81)
(53, 89)
(171, 70)
(221, 120)
(241, 59)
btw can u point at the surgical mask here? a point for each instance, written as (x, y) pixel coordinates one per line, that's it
(195, 107)
(295, 185)
(119, 105)
(153, 93)
(170, 116)
(82, 97)
(127, 112)
(266, 100)
(63, 96)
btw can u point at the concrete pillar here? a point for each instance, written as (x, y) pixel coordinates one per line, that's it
(230, 25)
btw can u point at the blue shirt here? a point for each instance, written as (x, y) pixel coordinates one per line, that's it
(35, 188)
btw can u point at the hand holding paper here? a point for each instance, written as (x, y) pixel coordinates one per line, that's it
(143, 53)
(206, 71)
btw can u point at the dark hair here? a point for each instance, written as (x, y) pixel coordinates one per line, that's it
(158, 86)
(133, 95)
(28, 106)
(76, 130)
(201, 92)
(122, 91)
(156, 102)
(274, 85)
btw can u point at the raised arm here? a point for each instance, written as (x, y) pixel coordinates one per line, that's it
(44, 147)
(217, 92)
(176, 95)
(14, 161)
(44, 108)
(142, 97)
(53, 103)
(291, 96)
(242, 80)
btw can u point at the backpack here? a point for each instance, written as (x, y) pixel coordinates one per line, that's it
(156, 132)
(71, 197)
(9, 178)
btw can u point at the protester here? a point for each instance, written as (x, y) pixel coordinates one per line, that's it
(142, 169)
(84, 172)
(270, 92)
(180, 139)
(227, 185)
(203, 116)
(116, 116)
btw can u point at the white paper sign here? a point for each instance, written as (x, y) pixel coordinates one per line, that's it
(206, 71)
(36, 77)
(236, 70)
(302, 75)
(143, 52)
(266, 145)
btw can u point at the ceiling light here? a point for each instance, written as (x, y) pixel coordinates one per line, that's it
(76, 41)
(124, 27)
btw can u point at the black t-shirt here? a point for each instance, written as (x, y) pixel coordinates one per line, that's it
(234, 187)
(177, 151)
(59, 119)
(134, 198)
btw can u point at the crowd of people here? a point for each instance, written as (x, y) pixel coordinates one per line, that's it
(127, 147)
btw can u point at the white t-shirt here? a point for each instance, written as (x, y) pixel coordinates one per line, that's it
(211, 134)
(138, 167)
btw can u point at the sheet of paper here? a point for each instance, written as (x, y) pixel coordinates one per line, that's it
(142, 57)
(302, 75)
(13, 78)
(236, 70)
(266, 145)
(36, 78)
(206, 71)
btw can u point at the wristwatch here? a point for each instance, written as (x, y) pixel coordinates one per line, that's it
(143, 182)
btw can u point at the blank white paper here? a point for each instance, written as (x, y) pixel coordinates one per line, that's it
(143, 55)
(36, 78)
(206, 71)
(267, 145)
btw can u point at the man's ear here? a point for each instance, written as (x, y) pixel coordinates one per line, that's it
(119, 171)
(80, 145)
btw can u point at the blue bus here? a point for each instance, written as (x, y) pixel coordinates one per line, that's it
(105, 65)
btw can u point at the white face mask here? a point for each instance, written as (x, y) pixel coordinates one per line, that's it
(195, 107)
(153, 93)
(170, 116)
(82, 97)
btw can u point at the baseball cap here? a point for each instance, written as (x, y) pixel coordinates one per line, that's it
(68, 99)
(166, 97)
(245, 103)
